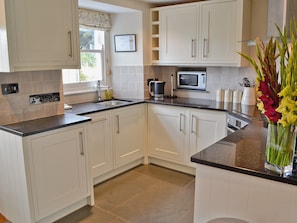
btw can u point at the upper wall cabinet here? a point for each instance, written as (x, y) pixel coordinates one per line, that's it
(38, 35)
(224, 24)
(178, 34)
(208, 33)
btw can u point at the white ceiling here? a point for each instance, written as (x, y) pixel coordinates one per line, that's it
(103, 7)
(161, 1)
(99, 6)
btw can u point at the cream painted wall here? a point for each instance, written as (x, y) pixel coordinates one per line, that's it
(127, 23)
(144, 21)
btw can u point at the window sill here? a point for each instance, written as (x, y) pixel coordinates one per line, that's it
(83, 90)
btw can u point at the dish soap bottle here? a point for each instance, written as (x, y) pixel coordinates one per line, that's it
(108, 93)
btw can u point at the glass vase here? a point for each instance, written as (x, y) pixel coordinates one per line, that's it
(280, 148)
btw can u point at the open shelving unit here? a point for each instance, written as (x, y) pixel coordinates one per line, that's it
(155, 35)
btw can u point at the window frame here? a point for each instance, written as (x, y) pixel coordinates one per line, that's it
(90, 86)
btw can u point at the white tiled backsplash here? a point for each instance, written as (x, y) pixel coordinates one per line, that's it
(131, 82)
(16, 107)
(221, 77)
(127, 82)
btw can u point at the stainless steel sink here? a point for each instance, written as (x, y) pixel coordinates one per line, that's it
(112, 103)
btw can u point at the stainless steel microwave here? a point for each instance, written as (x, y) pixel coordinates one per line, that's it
(192, 80)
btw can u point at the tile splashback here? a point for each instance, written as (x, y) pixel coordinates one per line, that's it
(127, 82)
(16, 107)
(131, 81)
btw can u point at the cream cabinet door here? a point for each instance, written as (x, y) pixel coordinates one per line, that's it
(178, 34)
(128, 134)
(206, 128)
(99, 143)
(167, 132)
(58, 170)
(221, 31)
(41, 34)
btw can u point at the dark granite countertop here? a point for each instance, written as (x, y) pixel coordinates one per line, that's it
(91, 107)
(71, 117)
(244, 152)
(40, 125)
(247, 112)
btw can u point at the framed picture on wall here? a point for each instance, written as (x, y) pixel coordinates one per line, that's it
(125, 43)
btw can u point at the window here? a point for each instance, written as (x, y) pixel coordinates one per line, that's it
(92, 58)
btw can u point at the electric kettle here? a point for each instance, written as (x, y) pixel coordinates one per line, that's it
(156, 89)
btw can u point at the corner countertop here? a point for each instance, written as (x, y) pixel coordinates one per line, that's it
(247, 112)
(40, 125)
(243, 152)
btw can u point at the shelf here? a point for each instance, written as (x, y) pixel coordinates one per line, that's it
(155, 35)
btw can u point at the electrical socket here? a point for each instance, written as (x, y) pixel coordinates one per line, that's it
(44, 98)
(10, 88)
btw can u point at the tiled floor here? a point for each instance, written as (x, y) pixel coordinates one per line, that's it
(146, 194)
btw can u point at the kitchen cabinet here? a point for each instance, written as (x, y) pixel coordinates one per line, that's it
(99, 143)
(38, 35)
(128, 134)
(206, 33)
(178, 34)
(206, 128)
(115, 140)
(167, 132)
(46, 175)
(176, 133)
(224, 24)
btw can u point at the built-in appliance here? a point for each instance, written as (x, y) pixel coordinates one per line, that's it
(234, 123)
(156, 89)
(192, 80)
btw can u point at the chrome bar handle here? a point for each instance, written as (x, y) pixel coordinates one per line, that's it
(81, 139)
(180, 122)
(118, 124)
(193, 50)
(192, 123)
(98, 120)
(70, 43)
(205, 52)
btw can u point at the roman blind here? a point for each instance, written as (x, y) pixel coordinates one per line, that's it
(94, 19)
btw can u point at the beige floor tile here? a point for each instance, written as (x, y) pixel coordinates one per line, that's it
(161, 203)
(145, 194)
(165, 174)
(89, 214)
(113, 193)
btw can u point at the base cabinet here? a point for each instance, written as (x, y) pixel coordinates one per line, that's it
(176, 133)
(99, 143)
(46, 175)
(57, 166)
(115, 139)
(206, 128)
(128, 134)
(167, 131)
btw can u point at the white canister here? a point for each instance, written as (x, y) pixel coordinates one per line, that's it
(237, 95)
(220, 95)
(228, 95)
(249, 96)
